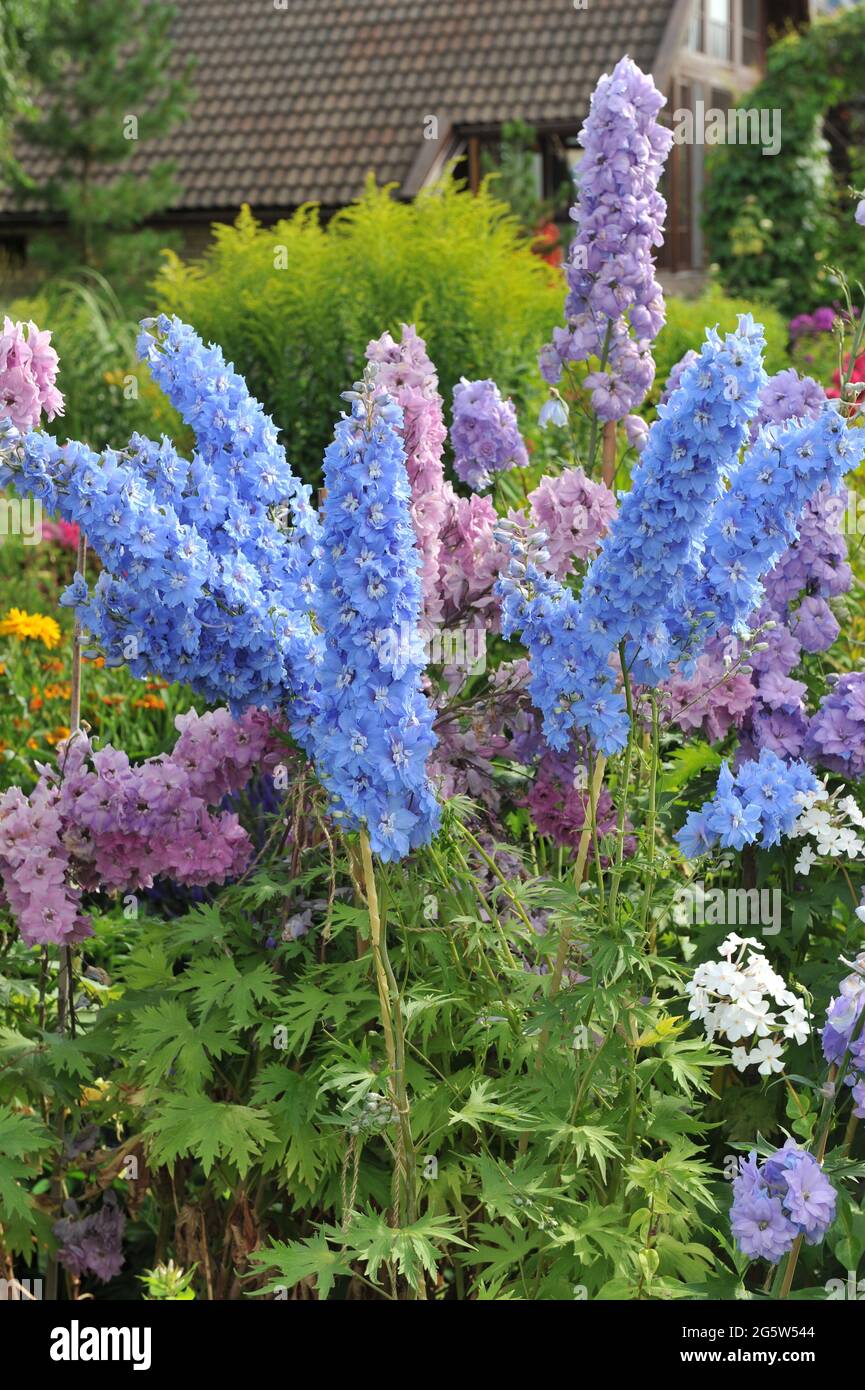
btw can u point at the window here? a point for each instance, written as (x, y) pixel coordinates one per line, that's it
(752, 38)
(719, 30)
(727, 31)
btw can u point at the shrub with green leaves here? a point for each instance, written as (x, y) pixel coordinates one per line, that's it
(294, 305)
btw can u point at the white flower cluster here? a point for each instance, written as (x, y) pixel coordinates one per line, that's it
(833, 826)
(734, 998)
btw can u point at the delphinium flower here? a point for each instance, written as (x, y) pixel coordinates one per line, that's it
(794, 616)
(406, 373)
(789, 396)
(774, 1202)
(677, 371)
(484, 434)
(28, 373)
(373, 729)
(571, 685)
(560, 806)
(836, 733)
(470, 560)
(575, 513)
(202, 579)
(614, 306)
(219, 754)
(95, 820)
(742, 999)
(756, 520)
(759, 804)
(716, 697)
(92, 1244)
(34, 867)
(639, 588)
(474, 736)
(842, 1037)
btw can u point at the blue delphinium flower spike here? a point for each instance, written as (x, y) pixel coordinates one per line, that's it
(373, 732)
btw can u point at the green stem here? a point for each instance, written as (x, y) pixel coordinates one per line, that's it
(622, 792)
(651, 823)
(392, 1026)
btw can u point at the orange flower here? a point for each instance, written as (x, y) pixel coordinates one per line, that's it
(57, 735)
(149, 702)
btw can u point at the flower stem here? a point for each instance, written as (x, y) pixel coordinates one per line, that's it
(579, 873)
(651, 824)
(64, 969)
(622, 791)
(394, 1037)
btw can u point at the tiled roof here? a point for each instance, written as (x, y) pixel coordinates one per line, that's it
(298, 100)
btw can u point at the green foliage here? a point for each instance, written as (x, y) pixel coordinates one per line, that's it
(777, 224)
(294, 305)
(109, 395)
(22, 26)
(687, 320)
(103, 82)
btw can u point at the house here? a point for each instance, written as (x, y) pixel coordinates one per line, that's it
(297, 100)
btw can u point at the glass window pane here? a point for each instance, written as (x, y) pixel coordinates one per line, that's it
(720, 25)
(695, 32)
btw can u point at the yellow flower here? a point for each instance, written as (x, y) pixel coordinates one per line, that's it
(33, 626)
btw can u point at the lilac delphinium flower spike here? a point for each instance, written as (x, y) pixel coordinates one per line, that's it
(843, 1035)
(484, 434)
(836, 733)
(776, 1201)
(373, 732)
(614, 306)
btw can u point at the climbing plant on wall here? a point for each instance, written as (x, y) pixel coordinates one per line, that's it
(776, 224)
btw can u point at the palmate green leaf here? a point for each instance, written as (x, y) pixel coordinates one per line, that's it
(289, 1098)
(677, 1179)
(482, 1108)
(686, 763)
(162, 1038)
(691, 1062)
(301, 1259)
(501, 1250)
(23, 1140)
(212, 1131)
(412, 1250)
(218, 983)
(596, 1231)
(204, 925)
(594, 1140)
(349, 998)
(669, 1119)
(515, 1191)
